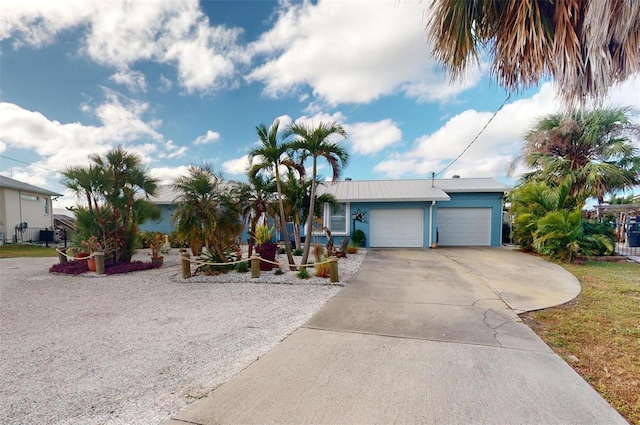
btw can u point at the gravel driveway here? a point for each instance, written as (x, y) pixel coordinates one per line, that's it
(132, 349)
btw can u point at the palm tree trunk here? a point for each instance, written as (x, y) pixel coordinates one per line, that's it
(312, 205)
(283, 224)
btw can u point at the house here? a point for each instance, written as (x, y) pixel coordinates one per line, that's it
(24, 209)
(399, 213)
(417, 213)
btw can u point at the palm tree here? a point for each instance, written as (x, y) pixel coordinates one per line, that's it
(207, 211)
(586, 46)
(297, 199)
(268, 158)
(592, 150)
(258, 200)
(116, 188)
(315, 142)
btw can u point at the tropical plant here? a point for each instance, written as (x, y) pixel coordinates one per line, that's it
(263, 234)
(560, 235)
(322, 269)
(208, 211)
(586, 46)
(297, 200)
(157, 245)
(269, 158)
(303, 273)
(115, 188)
(258, 200)
(530, 201)
(593, 151)
(358, 237)
(316, 142)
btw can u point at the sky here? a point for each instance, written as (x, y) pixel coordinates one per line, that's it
(182, 82)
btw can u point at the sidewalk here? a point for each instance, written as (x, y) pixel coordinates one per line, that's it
(419, 336)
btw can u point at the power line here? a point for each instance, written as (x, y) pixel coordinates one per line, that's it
(27, 163)
(475, 138)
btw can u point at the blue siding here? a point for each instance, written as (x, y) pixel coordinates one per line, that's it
(365, 227)
(164, 225)
(476, 200)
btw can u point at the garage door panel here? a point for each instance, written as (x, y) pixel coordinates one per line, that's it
(397, 228)
(464, 226)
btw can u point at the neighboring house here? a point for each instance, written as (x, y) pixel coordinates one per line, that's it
(400, 213)
(418, 213)
(24, 206)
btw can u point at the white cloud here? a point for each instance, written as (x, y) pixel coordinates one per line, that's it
(351, 51)
(489, 156)
(121, 33)
(236, 166)
(168, 174)
(368, 138)
(133, 80)
(173, 151)
(211, 136)
(165, 84)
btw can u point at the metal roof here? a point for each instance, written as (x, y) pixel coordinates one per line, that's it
(471, 185)
(26, 187)
(383, 191)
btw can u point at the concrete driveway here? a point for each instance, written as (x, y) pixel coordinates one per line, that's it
(419, 336)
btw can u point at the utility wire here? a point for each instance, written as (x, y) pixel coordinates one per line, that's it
(27, 163)
(475, 138)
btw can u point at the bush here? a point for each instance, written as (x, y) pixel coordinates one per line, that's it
(282, 251)
(303, 273)
(352, 249)
(297, 252)
(177, 241)
(358, 237)
(147, 237)
(213, 257)
(322, 270)
(596, 233)
(242, 267)
(278, 272)
(79, 267)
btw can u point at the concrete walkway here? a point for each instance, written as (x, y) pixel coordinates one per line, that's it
(419, 336)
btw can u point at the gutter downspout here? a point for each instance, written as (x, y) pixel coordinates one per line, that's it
(431, 223)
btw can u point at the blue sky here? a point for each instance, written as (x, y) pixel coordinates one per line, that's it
(183, 82)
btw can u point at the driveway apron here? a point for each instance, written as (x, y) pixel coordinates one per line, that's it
(418, 336)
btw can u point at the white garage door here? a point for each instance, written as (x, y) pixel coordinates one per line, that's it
(464, 226)
(397, 228)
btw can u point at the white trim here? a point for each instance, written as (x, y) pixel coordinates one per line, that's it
(326, 218)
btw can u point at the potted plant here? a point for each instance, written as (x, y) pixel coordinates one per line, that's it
(91, 245)
(157, 244)
(265, 247)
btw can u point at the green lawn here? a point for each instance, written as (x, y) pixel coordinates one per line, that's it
(598, 333)
(13, 251)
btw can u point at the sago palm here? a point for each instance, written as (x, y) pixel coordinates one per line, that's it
(586, 46)
(317, 142)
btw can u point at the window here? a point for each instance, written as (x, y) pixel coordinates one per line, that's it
(25, 197)
(45, 204)
(334, 219)
(338, 218)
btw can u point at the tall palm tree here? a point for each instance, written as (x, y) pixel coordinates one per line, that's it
(316, 142)
(258, 200)
(297, 195)
(269, 158)
(594, 150)
(207, 211)
(586, 46)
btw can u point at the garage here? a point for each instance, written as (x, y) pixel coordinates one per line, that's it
(397, 228)
(464, 226)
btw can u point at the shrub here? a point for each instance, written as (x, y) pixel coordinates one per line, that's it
(134, 266)
(70, 267)
(596, 233)
(358, 237)
(297, 252)
(282, 251)
(213, 257)
(177, 241)
(278, 272)
(352, 249)
(146, 238)
(242, 267)
(322, 270)
(318, 252)
(303, 273)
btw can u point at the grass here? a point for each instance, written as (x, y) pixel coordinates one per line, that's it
(14, 251)
(598, 333)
